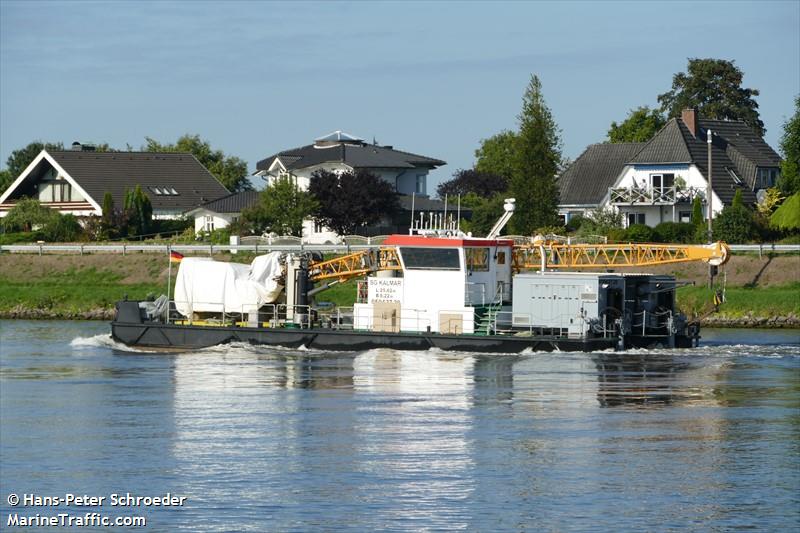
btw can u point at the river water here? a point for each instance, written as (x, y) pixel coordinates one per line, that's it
(279, 440)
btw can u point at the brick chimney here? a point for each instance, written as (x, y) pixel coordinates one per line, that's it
(689, 117)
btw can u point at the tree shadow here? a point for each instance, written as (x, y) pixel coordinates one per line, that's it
(752, 284)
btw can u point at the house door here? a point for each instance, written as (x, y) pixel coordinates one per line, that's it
(661, 184)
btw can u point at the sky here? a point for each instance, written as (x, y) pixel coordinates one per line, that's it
(434, 78)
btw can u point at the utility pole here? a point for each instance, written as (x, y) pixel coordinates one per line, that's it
(712, 270)
(710, 193)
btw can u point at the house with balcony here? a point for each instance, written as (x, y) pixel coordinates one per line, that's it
(341, 152)
(75, 181)
(657, 181)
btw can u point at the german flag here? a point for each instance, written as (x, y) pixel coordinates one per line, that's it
(175, 257)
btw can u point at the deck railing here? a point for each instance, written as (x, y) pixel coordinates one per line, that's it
(655, 195)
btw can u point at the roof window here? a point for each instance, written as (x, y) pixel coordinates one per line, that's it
(735, 176)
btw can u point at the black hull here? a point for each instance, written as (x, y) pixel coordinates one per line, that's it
(168, 336)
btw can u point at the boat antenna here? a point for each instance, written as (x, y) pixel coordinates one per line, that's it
(444, 221)
(410, 230)
(458, 216)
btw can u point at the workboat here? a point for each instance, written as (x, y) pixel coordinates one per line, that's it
(435, 287)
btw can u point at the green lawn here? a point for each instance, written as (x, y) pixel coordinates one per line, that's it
(72, 291)
(740, 301)
(341, 294)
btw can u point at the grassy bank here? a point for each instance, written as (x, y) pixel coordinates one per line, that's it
(760, 290)
(780, 300)
(74, 293)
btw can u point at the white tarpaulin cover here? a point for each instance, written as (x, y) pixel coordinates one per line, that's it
(216, 286)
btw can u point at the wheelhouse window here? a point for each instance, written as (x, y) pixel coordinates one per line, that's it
(477, 259)
(430, 258)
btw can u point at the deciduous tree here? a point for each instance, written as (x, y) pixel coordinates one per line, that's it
(790, 146)
(350, 200)
(281, 209)
(641, 125)
(231, 171)
(26, 214)
(536, 162)
(496, 154)
(714, 88)
(20, 159)
(483, 184)
(485, 212)
(6, 179)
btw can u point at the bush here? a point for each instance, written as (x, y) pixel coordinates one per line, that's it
(26, 215)
(218, 236)
(639, 233)
(734, 225)
(575, 223)
(674, 232)
(615, 235)
(171, 227)
(602, 222)
(22, 236)
(549, 230)
(62, 228)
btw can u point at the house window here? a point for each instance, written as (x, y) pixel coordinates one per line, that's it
(55, 191)
(420, 186)
(766, 177)
(319, 227)
(660, 182)
(635, 218)
(65, 191)
(684, 216)
(209, 224)
(734, 175)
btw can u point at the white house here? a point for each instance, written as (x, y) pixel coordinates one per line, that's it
(341, 152)
(75, 181)
(221, 212)
(657, 181)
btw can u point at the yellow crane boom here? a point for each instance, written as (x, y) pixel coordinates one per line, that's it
(563, 256)
(529, 256)
(355, 265)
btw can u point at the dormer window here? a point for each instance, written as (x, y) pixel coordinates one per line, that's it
(766, 178)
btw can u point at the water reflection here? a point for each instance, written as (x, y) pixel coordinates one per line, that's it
(653, 379)
(287, 440)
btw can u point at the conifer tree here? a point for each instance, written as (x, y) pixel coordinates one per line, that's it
(537, 159)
